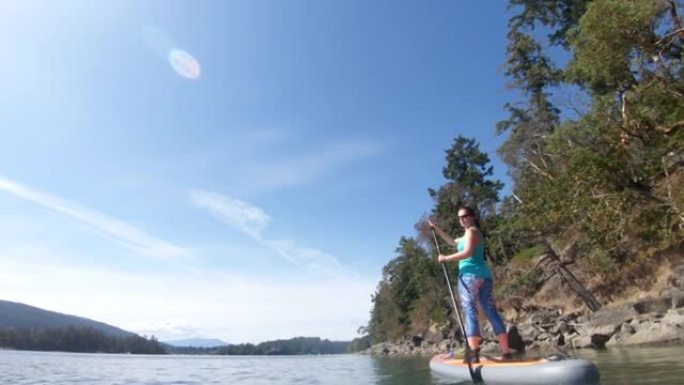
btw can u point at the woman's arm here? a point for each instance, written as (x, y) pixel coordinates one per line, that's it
(470, 239)
(450, 241)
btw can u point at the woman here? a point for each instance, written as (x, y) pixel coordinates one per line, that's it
(474, 282)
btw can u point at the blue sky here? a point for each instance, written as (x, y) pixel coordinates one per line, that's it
(256, 201)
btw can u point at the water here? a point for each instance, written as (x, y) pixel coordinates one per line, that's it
(638, 366)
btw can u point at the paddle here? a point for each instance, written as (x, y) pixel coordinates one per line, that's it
(476, 377)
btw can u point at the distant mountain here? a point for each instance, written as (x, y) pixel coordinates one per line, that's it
(197, 343)
(15, 315)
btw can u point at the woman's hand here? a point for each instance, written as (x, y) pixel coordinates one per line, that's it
(442, 258)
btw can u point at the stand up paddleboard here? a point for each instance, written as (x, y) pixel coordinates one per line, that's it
(555, 369)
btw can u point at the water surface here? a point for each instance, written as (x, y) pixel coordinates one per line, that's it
(638, 366)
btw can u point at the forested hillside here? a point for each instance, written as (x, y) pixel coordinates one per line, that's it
(25, 327)
(292, 346)
(593, 145)
(15, 315)
(77, 339)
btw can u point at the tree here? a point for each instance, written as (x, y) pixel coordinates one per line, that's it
(409, 298)
(605, 175)
(468, 174)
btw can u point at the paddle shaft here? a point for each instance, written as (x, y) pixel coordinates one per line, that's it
(476, 379)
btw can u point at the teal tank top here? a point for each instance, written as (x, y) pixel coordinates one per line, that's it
(475, 264)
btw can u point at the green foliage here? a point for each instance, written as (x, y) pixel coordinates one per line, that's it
(410, 297)
(524, 256)
(602, 264)
(558, 15)
(598, 174)
(360, 344)
(468, 174)
(623, 32)
(519, 284)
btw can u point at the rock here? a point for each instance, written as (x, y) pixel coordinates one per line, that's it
(614, 315)
(652, 305)
(433, 337)
(582, 342)
(559, 340)
(605, 330)
(379, 349)
(444, 346)
(627, 329)
(653, 334)
(616, 340)
(674, 317)
(599, 340)
(544, 316)
(515, 341)
(605, 322)
(561, 327)
(525, 330)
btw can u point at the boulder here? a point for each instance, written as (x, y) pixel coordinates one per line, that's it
(674, 317)
(605, 322)
(626, 328)
(515, 341)
(598, 341)
(653, 305)
(544, 316)
(581, 342)
(654, 333)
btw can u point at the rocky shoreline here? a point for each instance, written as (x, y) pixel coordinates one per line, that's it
(653, 320)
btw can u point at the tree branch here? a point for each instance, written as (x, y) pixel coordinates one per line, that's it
(679, 32)
(517, 198)
(539, 170)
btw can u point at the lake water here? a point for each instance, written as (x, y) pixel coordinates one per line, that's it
(639, 366)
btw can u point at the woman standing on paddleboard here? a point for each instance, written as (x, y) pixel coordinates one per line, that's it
(475, 282)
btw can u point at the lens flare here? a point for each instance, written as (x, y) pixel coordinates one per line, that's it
(184, 64)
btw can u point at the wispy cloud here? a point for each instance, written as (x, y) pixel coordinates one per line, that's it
(120, 230)
(253, 221)
(241, 215)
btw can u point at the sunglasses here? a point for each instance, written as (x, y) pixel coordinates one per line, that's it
(464, 216)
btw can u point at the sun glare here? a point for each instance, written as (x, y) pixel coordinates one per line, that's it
(184, 64)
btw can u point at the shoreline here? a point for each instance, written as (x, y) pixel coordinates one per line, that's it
(647, 322)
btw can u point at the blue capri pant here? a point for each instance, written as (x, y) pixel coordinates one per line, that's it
(473, 289)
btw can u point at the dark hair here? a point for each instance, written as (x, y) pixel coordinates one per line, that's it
(471, 212)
